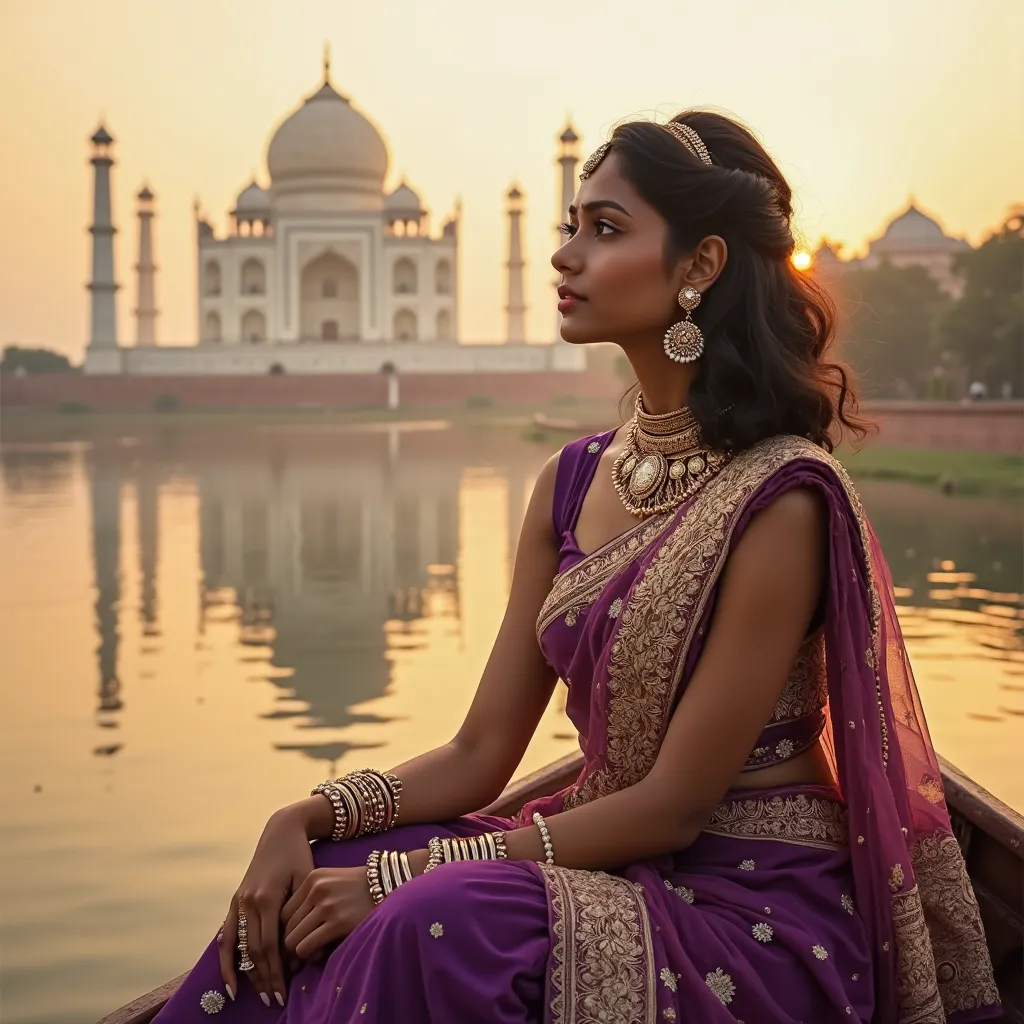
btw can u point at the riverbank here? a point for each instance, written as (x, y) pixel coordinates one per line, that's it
(958, 472)
(952, 472)
(18, 424)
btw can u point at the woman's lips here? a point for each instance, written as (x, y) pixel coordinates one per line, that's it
(568, 300)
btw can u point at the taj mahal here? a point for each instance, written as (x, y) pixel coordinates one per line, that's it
(323, 271)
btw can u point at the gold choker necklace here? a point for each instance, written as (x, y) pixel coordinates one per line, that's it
(664, 461)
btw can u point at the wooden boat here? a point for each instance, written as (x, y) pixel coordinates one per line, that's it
(990, 834)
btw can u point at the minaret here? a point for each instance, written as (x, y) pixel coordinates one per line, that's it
(103, 321)
(145, 269)
(568, 158)
(516, 308)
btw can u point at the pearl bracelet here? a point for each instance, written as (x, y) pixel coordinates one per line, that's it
(545, 835)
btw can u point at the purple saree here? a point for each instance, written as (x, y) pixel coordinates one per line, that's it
(806, 903)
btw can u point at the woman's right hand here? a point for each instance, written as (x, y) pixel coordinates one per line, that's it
(280, 864)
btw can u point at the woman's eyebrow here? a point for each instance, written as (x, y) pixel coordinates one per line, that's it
(597, 204)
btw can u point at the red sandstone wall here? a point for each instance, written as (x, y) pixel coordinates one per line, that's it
(983, 426)
(978, 427)
(46, 391)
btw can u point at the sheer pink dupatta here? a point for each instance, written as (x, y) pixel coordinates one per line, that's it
(912, 885)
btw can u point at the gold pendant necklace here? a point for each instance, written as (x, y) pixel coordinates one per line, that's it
(664, 461)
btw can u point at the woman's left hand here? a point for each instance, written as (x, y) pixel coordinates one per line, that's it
(325, 908)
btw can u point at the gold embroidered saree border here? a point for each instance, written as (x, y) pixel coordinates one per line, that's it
(798, 819)
(602, 959)
(944, 958)
(579, 585)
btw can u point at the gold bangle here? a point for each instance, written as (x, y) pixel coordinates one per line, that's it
(435, 852)
(396, 869)
(500, 849)
(405, 867)
(386, 881)
(373, 877)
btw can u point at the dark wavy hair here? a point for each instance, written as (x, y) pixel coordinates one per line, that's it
(768, 328)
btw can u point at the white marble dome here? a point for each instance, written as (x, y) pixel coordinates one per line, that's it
(327, 144)
(404, 200)
(913, 225)
(252, 199)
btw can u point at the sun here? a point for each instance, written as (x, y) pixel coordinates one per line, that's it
(802, 259)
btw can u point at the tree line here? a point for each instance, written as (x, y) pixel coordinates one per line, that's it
(907, 338)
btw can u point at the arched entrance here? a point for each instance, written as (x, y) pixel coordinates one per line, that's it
(254, 277)
(254, 326)
(405, 325)
(330, 295)
(211, 326)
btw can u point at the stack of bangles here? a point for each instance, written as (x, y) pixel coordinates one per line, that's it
(387, 870)
(364, 802)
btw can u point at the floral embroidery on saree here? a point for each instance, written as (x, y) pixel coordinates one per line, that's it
(575, 588)
(944, 909)
(603, 955)
(920, 1002)
(798, 819)
(807, 687)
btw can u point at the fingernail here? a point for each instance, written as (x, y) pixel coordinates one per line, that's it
(231, 994)
(265, 998)
(279, 998)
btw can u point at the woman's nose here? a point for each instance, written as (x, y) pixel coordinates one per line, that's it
(564, 259)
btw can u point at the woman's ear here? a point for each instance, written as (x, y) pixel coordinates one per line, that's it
(705, 263)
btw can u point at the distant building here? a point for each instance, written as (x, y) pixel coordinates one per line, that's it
(913, 239)
(320, 271)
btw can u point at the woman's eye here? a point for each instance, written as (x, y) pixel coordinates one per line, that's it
(567, 229)
(611, 228)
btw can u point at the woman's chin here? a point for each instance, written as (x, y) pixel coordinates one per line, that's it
(576, 333)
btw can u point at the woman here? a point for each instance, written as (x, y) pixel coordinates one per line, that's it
(759, 831)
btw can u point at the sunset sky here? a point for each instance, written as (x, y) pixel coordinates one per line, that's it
(863, 105)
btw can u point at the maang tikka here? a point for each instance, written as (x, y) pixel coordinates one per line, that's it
(683, 341)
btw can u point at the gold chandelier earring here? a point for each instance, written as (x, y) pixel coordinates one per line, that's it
(683, 341)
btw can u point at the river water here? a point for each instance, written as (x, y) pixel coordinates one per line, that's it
(196, 625)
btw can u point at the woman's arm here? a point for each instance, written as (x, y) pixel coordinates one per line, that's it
(472, 769)
(769, 590)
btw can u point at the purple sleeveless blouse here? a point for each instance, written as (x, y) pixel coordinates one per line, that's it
(798, 718)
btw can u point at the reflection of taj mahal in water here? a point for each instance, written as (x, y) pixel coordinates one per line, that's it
(323, 270)
(318, 552)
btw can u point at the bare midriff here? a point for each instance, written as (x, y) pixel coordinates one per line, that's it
(811, 768)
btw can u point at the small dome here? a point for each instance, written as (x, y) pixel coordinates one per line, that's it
(327, 144)
(914, 226)
(403, 200)
(253, 199)
(569, 135)
(102, 136)
(145, 194)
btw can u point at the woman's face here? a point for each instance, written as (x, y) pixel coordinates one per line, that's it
(615, 285)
